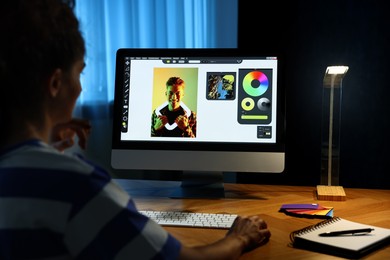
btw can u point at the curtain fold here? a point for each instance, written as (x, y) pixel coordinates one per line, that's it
(108, 25)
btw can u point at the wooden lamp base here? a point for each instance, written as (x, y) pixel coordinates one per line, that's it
(332, 193)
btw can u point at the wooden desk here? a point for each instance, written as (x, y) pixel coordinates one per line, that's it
(362, 205)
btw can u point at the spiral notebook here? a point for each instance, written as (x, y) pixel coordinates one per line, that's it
(348, 245)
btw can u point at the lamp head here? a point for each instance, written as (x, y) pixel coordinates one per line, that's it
(337, 70)
(334, 75)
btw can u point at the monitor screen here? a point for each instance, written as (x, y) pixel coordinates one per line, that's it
(198, 110)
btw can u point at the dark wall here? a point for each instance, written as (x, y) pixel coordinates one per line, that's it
(312, 35)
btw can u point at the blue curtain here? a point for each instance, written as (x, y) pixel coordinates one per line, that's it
(111, 24)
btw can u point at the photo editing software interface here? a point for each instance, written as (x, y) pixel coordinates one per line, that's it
(224, 99)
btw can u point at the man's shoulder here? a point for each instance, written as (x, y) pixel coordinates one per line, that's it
(44, 157)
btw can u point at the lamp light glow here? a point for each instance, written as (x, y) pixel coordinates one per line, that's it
(335, 70)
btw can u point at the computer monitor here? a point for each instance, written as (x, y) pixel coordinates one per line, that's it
(229, 115)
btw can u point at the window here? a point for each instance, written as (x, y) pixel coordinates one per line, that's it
(110, 25)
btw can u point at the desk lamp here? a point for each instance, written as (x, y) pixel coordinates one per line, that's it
(330, 146)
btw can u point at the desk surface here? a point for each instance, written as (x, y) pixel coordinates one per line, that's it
(367, 206)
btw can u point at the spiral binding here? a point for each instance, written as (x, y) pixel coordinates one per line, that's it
(312, 227)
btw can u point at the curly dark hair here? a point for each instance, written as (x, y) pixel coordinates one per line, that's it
(39, 36)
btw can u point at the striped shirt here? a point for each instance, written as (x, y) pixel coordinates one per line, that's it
(59, 206)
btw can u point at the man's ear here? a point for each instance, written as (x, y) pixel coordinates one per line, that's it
(55, 82)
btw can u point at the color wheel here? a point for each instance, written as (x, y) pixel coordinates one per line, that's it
(255, 78)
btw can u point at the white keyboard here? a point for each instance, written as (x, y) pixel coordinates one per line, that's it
(190, 219)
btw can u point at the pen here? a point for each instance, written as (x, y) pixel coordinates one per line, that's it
(346, 232)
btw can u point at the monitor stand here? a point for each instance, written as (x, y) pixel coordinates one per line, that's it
(199, 184)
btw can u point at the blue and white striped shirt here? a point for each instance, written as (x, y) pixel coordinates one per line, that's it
(59, 206)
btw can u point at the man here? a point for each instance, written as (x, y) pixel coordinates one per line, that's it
(55, 205)
(173, 118)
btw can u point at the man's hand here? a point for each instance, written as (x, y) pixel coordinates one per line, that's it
(252, 229)
(182, 122)
(160, 122)
(62, 136)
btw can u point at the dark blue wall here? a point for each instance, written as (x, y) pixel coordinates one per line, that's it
(312, 35)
